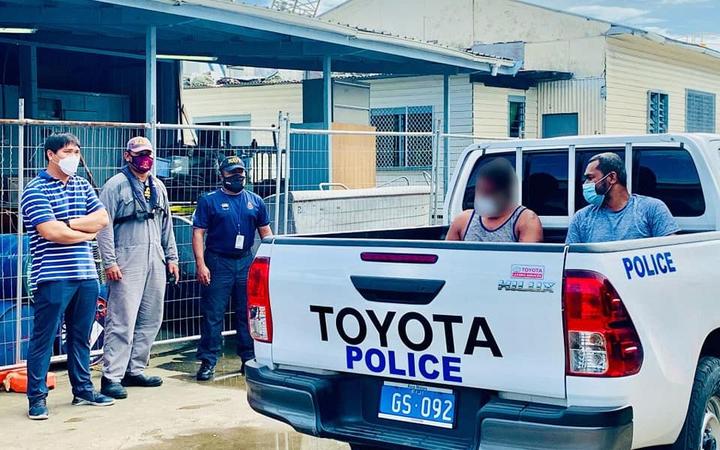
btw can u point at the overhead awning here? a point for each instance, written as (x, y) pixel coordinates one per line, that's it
(235, 34)
(524, 79)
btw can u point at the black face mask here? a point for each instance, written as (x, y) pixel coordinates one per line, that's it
(234, 183)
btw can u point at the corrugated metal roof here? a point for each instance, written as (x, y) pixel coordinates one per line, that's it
(265, 19)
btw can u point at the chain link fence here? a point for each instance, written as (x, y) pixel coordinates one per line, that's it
(187, 160)
(350, 177)
(406, 149)
(23, 157)
(338, 181)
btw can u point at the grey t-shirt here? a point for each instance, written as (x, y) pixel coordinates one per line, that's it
(642, 217)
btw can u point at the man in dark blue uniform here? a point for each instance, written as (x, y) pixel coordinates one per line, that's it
(229, 216)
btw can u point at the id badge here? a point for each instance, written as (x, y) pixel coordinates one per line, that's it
(239, 241)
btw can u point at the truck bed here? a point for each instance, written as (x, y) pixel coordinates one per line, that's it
(431, 233)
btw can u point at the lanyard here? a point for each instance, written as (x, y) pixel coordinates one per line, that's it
(235, 202)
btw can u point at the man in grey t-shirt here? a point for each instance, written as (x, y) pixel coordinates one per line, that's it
(613, 214)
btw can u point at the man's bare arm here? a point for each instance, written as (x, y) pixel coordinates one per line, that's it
(198, 245)
(529, 227)
(458, 226)
(91, 223)
(265, 232)
(58, 232)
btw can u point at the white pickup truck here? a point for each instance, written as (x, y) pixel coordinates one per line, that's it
(398, 339)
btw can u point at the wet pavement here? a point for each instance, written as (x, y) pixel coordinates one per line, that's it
(183, 413)
(247, 439)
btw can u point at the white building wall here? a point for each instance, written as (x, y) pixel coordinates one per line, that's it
(460, 23)
(582, 56)
(262, 103)
(460, 119)
(636, 66)
(401, 92)
(428, 91)
(491, 111)
(531, 113)
(556, 40)
(584, 96)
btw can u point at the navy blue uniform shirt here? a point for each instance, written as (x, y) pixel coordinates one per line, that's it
(225, 216)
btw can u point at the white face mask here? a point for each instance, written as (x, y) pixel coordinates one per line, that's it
(69, 165)
(486, 207)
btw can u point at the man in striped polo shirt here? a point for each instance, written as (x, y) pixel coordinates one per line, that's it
(62, 214)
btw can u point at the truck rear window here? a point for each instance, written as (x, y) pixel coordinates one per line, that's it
(668, 174)
(671, 176)
(545, 182)
(469, 197)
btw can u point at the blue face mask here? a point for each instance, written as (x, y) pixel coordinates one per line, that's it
(591, 195)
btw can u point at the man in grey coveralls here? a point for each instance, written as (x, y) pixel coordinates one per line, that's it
(137, 249)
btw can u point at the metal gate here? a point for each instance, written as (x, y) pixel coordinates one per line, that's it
(312, 181)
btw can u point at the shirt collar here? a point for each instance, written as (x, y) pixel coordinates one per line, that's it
(47, 177)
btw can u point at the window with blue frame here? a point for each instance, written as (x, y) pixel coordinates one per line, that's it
(403, 151)
(657, 120)
(699, 112)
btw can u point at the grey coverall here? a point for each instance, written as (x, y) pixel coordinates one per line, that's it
(141, 250)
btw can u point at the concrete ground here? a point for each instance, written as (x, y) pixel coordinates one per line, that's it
(181, 414)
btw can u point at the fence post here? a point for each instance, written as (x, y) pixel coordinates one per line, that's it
(20, 256)
(287, 172)
(279, 142)
(435, 171)
(153, 134)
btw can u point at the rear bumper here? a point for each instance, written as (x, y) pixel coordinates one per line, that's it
(344, 407)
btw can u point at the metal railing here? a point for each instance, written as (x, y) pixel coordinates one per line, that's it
(312, 180)
(186, 162)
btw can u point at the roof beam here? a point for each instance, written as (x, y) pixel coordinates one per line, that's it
(99, 15)
(358, 66)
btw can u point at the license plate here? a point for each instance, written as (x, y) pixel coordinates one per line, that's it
(417, 404)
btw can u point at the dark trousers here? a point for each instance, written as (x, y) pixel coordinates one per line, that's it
(77, 300)
(228, 280)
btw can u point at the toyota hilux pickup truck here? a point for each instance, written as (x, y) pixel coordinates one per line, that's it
(399, 339)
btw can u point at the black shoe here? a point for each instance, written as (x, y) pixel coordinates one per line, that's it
(38, 410)
(92, 398)
(206, 371)
(141, 381)
(112, 389)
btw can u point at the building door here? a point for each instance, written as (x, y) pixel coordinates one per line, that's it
(555, 125)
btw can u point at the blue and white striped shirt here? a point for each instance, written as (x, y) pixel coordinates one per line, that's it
(45, 199)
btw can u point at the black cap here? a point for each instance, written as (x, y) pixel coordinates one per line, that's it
(230, 163)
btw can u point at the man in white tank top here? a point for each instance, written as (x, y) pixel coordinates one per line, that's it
(496, 217)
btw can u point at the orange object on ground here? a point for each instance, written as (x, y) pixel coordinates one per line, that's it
(5, 373)
(16, 380)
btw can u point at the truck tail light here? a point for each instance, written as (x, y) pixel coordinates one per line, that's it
(601, 339)
(258, 300)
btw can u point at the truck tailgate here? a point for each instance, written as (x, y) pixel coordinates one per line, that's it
(479, 315)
